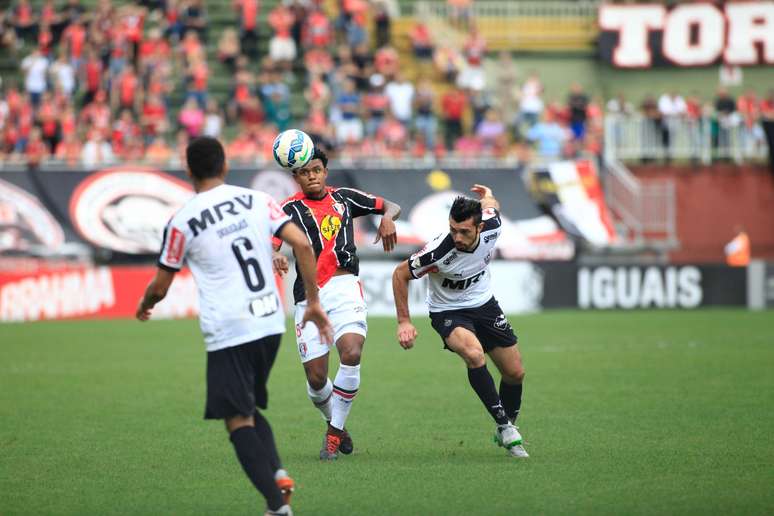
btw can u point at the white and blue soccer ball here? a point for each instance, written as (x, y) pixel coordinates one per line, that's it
(293, 149)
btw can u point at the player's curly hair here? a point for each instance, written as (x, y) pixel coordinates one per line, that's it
(320, 154)
(464, 208)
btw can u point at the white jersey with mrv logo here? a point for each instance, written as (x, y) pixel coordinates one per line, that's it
(458, 279)
(224, 235)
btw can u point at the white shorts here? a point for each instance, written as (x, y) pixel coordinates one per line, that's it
(342, 300)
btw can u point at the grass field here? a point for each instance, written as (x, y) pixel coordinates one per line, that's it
(624, 413)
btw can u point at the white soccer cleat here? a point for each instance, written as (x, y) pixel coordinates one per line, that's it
(507, 436)
(518, 451)
(285, 510)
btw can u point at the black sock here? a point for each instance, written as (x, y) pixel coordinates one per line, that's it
(511, 398)
(263, 430)
(253, 456)
(484, 385)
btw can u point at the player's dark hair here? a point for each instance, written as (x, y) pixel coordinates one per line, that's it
(464, 208)
(206, 157)
(320, 154)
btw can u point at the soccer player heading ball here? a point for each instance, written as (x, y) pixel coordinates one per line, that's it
(326, 215)
(463, 310)
(223, 233)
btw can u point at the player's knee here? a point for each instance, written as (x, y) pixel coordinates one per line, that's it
(351, 356)
(316, 379)
(473, 357)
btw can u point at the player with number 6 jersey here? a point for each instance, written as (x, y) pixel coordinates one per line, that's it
(224, 234)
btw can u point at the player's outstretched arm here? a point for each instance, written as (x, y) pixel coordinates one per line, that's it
(407, 333)
(156, 291)
(307, 266)
(487, 198)
(386, 231)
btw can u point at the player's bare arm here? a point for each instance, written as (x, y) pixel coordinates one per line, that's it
(407, 333)
(487, 198)
(307, 266)
(386, 232)
(156, 291)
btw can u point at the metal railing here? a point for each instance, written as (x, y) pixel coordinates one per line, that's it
(484, 9)
(703, 140)
(645, 209)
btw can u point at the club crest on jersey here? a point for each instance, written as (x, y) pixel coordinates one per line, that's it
(339, 207)
(330, 225)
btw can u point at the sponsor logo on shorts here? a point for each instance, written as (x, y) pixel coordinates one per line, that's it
(302, 349)
(501, 323)
(447, 322)
(488, 258)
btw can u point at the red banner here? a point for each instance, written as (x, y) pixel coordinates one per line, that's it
(91, 292)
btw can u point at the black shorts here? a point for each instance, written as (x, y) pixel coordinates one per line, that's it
(487, 321)
(237, 376)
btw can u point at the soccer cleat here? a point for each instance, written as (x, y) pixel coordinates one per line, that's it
(507, 436)
(330, 449)
(518, 451)
(286, 487)
(346, 447)
(285, 510)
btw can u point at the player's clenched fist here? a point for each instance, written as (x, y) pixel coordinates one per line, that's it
(406, 335)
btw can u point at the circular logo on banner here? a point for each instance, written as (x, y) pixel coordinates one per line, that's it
(25, 223)
(280, 185)
(126, 208)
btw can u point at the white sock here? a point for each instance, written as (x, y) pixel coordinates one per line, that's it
(345, 387)
(321, 398)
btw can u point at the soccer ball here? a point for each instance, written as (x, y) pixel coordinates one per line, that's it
(293, 149)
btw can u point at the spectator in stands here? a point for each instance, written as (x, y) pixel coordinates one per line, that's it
(491, 129)
(45, 39)
(300, 11)
(276, 102)
(191, 118)
(318, 61)
(422, 41)
(154, 117)
(472, 75)
(63, 74)
(69, 150)
(317, 126)
(530, 100)
(767, 122)
(194, 17)
(154, 52)
(48, 121)
(355, 29)
(363, 60)
(316, 32)
(387, 62)
(672, 108)
(36, 150)
(74, 38)
(317, 93)
(577, 103)
(197, 77)
(653, 126)
(213, 120)
(173, 21)
(425, 122)
(124, 94)
(97, 114)
(125, 134)
(460, 12)
(549, 136)
(282, 48)
(229, 49)
(448, 61)
(23, 19)
(751, 132)
(35, 68)
(454, 103)
(158, 152)
(96, 151)
(382, 23)
(480, 103)
(394, 135)
(376, 105)
(350, 127)
(727, 119)
(241, 148)
(92, 75)
(73, 10)
(401, 94)
(248, 27)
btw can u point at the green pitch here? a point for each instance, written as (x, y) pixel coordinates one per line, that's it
(624, 413)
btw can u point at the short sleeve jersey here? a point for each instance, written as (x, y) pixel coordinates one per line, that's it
(458, 279)
(328, 224)
(225, 236)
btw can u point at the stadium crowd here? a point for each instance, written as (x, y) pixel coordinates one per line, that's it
(131, 82)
